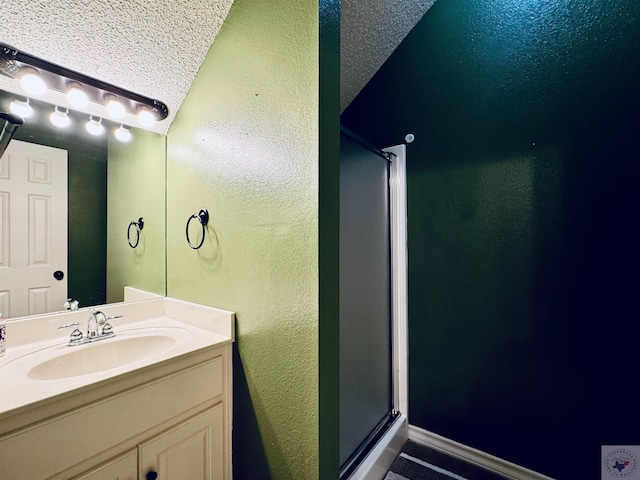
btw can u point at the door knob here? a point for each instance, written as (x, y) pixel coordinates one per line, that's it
(58, 274)
(152, 475)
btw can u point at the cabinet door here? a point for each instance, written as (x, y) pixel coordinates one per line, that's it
(123, 467)
(192, 450)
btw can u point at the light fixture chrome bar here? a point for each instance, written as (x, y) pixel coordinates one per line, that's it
(59, 78)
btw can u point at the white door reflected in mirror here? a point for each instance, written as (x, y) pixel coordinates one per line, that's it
(33, 246)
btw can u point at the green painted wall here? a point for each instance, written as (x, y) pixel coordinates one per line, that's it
(244, 145)
(329, 239)
(87, 198)
(522, 187)
(136, 188)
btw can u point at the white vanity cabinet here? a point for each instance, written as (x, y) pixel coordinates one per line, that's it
(123, 467)
(191, 450)
(174, 417)
(167, 411)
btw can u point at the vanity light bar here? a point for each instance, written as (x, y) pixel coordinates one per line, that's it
(13, 63)
(61, 117)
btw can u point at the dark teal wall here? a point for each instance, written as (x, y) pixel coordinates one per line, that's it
(87, 198)
(522, 196)
(328, 235)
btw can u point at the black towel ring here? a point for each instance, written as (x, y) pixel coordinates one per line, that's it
(203, 218)
(139, 225)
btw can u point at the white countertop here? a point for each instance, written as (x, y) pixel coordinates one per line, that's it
(32, 341)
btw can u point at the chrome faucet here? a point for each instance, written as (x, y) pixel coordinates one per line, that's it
(98, 328)
(96, 323)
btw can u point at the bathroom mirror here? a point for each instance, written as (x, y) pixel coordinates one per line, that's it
(110, 184)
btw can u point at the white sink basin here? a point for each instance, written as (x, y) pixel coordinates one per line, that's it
(100, 356)
(129, 349)
(152, 337)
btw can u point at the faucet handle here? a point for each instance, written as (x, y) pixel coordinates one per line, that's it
(69, 325)
(107, 329)
(76, 335)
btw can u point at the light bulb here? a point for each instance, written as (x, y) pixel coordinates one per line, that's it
(76, 97)
(115, 109)
(33, 84)
(60, 119)
(146, 118)
(123, 134)
(21, 108)
(94, 127)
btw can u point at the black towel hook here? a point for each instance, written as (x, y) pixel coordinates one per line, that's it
(203, 218)
(139, 225)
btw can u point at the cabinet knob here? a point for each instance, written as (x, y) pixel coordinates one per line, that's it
(152, 475)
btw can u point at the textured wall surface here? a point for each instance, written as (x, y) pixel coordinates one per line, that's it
(136, 188)
(151, 48)
(244, 145)
(522, 185)
(329, 226)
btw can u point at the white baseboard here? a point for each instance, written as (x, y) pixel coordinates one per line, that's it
(471, 455)
(376, 464)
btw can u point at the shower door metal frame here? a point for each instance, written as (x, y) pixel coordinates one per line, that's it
(399, 276)
(388, 444)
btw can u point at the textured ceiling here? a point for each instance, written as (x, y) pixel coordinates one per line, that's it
(155, 47)
(151, 47)
(370, 31)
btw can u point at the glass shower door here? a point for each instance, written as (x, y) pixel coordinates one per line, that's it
(366, 392)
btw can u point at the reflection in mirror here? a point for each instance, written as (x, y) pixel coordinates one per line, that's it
(110, 184)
